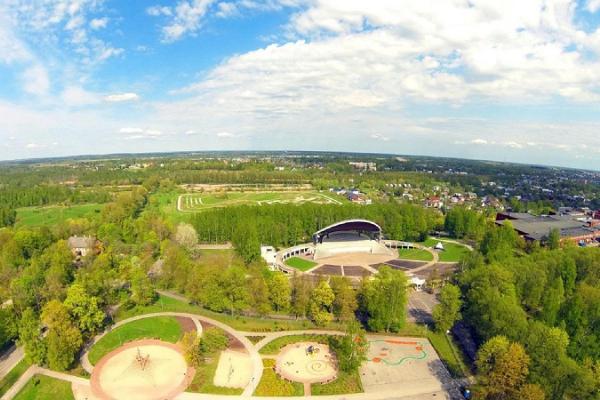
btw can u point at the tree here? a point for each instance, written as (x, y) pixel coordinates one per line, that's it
(554, 239)
(503, 368)
(213, 339)
(279, 291)
(385, 300)
(186, 236)
(351, 348)
(301, 289)
(30, 337)
(260, 296)
(84, 309)
(233, 286)
(63, 339)
(190, 342)
(9, 329)
(530, 391)
(319, 306)
(245, 240)
(345, 302)
(447, 312)
(142, 292)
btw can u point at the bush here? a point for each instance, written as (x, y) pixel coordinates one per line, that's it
(213, 340)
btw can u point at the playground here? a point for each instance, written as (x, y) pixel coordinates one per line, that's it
(142, 370)
(409, 365)
(306, 362)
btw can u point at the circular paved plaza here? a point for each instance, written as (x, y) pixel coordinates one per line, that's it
(306, 362)
(142, 370)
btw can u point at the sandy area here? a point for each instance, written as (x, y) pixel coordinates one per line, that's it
(296, 364)
(119, 375)
(234, 369)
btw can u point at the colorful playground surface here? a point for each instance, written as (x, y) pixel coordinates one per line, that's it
(408, 366)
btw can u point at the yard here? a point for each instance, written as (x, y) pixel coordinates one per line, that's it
(300, 264)
(42, 387)
(51, 215)
(452, 252)
(415, 254)
(163, 328)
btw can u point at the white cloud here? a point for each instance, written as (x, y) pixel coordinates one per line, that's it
(131, 130)
(77, 96)
(479, 141)
(190, 132)
(225, 135)
(227, 9)
(593, 5)
(134, 133)
(35, 80)
(99, 23)
(378, 136)
(121, 97)
(184, 18)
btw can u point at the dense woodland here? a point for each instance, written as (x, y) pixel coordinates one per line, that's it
(534, 312)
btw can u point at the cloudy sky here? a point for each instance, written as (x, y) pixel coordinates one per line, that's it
(510, 80)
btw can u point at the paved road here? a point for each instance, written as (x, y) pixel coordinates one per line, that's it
(420, 306)
(9, 359)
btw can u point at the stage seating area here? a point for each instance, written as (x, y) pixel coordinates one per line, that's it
(403, 265)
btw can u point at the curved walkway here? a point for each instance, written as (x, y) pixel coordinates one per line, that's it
(257, 365)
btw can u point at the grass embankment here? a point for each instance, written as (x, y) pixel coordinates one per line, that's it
(452, 252)
(300, 263)
(272, 385)
(449, 353)
(51, 215)
(346, 383)
(275, 345)
(164, 303)
(13, 376)
(41, 387)
(415, 254)
(162, 328)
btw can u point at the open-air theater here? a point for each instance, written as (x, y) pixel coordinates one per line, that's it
(350, 236)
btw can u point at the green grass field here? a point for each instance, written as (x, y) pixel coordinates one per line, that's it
(193, 202)
(42, 387)
(163, 328)
(346, 383)
(13, 376)
(50, 215)
(272, 385)
(452, 252)
(415, 254)
(300, 263)
(274, 346)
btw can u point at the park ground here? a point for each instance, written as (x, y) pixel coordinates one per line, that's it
(265, 338)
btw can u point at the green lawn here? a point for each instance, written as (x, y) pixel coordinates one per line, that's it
(50, 215)
(345, 383)
(163, 328)
(452, 252)
(272, 385)
(41, 387)
(274, 346)
(415, 254)
(164, 303)
(13, 376)
(300, 263)
(192, 202)
(449, 353)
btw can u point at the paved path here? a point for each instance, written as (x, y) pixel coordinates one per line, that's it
(257, 365)
(9, 359)
(33, 370)
(270, 336)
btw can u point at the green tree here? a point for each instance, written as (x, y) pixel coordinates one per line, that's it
(84, 309)
(345, 302)
(301, 289)
(279, 291)
(503, 368)
(142, 291)
(213, 339)
(351, 348)
(554, 239)
(319, 306)
(260, 296)
(385, 300)
(447, 312)
(30, 337)
(64, 339)
(190, 342)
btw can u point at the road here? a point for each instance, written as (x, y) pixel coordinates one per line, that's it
(9, 359)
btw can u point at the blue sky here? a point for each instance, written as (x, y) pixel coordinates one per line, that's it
(509, 81)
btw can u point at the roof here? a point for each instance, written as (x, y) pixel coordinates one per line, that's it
(350, 225)
(539, 227)
(81, 242)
